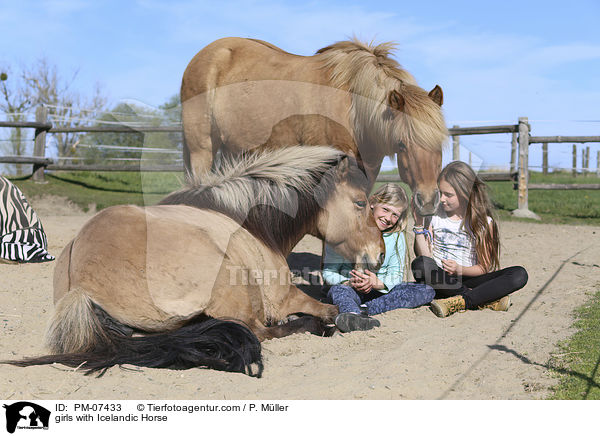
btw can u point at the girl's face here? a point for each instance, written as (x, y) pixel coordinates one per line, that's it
(448, 199)
(386, 215)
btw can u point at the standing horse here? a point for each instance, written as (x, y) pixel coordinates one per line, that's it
(239, 94)
(217, 251)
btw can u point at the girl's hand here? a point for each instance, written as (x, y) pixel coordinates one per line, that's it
(451, 267)
(360, 281)
(365, 281)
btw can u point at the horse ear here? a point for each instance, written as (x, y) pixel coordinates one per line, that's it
(437, 95)
(344, 166)
(396, 101)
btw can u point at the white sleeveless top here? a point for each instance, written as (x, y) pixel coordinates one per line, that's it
(452, 241)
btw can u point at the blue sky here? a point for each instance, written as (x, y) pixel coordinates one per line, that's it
(496, 61)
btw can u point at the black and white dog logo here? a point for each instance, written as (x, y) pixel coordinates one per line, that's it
(25, 415)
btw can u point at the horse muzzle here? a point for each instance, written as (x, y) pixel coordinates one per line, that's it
(366, 262)
(426, 205)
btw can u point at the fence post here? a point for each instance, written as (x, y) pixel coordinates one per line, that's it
(522, 210)
(545, 158)
(39, 147)
(513, 153)
(455, 146)
(587, 160)
(574, 171)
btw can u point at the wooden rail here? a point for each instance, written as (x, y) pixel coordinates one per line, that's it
(26, 125)
(27, 160)
(116, 129)
(486, 176)
(482, 130)
(564, 186)
(559, 139)
(136, 168)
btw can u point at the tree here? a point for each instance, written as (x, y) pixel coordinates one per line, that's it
(104, 146)
(66, 107)
(95, 147)
(41, 84)
(16, 101)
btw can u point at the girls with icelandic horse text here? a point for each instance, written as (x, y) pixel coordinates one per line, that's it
(459, 251)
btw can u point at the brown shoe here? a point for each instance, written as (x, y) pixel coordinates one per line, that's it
(500, 305)
(447, 306)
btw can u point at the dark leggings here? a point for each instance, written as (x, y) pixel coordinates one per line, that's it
(476, 291)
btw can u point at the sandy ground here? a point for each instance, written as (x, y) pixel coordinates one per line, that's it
(413, 355)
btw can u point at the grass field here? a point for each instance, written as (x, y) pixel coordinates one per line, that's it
(557, 207)
(576, 363)
(104, 189)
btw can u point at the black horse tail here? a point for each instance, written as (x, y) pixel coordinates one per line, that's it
(202, 342)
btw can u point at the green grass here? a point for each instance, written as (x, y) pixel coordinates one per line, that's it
(556, 207)
(577, 363)
(104, 189)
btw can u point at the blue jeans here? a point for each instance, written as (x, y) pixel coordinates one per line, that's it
(403, 295)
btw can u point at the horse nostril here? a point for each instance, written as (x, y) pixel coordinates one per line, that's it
(381, 258)
(419, 200)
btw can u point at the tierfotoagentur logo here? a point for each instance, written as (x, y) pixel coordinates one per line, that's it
(25, 415)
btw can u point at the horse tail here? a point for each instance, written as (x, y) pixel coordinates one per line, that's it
(74, 327)
(83, 335)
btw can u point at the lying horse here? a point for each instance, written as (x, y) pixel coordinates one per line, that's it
(239, 94)
(201, 278)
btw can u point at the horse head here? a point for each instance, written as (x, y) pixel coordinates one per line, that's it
(345, 220)
(419, 139)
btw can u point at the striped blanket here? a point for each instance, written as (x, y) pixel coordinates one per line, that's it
(22, 237)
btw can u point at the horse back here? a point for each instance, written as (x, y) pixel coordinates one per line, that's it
(238, 94)
(232, 60)
(154, 268)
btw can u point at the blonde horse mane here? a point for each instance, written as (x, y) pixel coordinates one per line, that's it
(257, 188)
(370, 74)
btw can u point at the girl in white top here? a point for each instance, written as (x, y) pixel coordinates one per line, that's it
(459, 250)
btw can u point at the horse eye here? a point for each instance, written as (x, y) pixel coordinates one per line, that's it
(361, 204)
(401, 146)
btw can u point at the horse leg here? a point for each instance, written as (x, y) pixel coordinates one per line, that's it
(297, 301)
(302, 324)
(199, 147)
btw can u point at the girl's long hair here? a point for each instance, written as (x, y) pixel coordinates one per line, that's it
(394, 195)
(472, 191)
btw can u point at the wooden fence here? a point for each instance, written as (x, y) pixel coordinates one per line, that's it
(519, 162)
(41, 163)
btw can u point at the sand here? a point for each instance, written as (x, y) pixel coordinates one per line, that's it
(413, 355)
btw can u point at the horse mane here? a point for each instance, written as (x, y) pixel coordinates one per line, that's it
(370, 74)
(275, 194)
